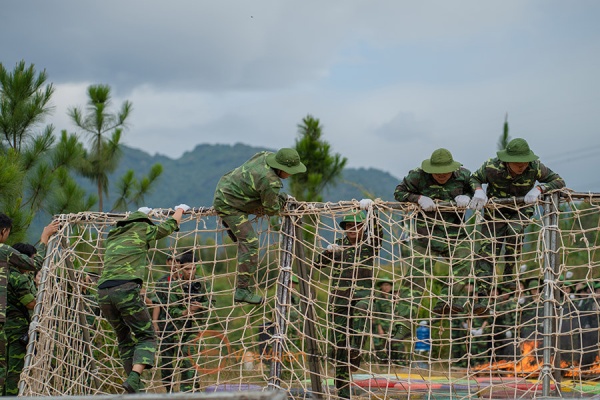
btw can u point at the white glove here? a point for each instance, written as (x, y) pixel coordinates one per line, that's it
(479, 200)
(291, 198)
(426, 203)
(145, 210)
(465, 325)
(533, 195)
(184, 207)
(521, 300)
(569, 274)
(365, 204)
(523, 268)
(462, 201)
(477, 332)
(508, 334)
(572, 296)
(334, 248)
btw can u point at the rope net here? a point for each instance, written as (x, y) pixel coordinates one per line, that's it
(408, 309)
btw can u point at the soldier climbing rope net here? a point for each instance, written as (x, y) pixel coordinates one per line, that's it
(539, 330)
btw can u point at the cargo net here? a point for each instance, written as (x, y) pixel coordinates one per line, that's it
(416, 305)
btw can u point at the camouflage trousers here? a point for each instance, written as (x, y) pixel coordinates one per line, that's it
(175, 351)
(126, 312)
(396, 346)
(350, 317)
(3, 345)
(497, 235)
(247, 244)
(15, 356)
(451, 281)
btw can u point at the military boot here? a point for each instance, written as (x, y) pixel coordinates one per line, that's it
(133, 383)
(245, 295)
(443, 308)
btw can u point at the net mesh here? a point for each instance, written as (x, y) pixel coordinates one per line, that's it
(538, 329)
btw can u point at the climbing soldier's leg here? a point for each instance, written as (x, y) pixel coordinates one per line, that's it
(247, 243)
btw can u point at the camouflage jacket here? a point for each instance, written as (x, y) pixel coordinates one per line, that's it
(506, 315)
(174, 297)
(502, 184)
(251, 188)
(11, 257)
(352, 268)
(127, 249)
(21, 291)
(419, 182)
(383, 311)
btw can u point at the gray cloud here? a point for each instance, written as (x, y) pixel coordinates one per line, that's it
(389, 80)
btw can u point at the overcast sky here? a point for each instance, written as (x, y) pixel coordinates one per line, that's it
(390, 81)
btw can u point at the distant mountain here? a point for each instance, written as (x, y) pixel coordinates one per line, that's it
(192, 178)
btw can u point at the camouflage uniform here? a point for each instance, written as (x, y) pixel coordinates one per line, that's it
(9, 257)
(383, 316)
(467, 348)
(252, 188)
(505, 224)
(504, 328)
(121, 282)
(393, 314)
(178, 331)
(21, 291)
(440, 232)
(351, 290)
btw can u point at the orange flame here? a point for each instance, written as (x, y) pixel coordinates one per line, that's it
(528, 365)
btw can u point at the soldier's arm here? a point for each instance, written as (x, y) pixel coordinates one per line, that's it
(378, 234)
(479, 177)
(465, 176)
(23, 262)
(549, 179)
(26, 263)
(164, 229)
(408, 189)
(22, 288)
(271, 198)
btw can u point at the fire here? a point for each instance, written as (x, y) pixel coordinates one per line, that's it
(528, 365)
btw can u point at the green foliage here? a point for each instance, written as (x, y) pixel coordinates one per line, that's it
(34, 173)
(97, 122)
(505, 137)
(24, 103)
(323, 168)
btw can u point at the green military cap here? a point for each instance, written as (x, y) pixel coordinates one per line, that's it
(517, 150)
(441, 162)
(286, 160)
(533, 283)
(385, 279)
(136, 216)
(356, 218)
(295, 279)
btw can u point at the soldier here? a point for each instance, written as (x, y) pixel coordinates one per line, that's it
(504, 324)
(20, 302)
(383, 316)
(351, 259)
(513, 173)
(9, 260)
(392, 316)
(186, 306)
(253, 188)
(440, 178)
(120, 289)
